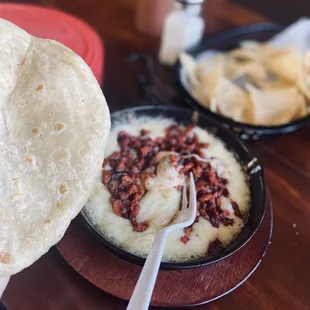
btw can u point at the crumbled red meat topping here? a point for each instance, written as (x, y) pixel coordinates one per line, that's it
(125, 172)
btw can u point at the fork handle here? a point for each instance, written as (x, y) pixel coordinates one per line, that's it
(142, 293)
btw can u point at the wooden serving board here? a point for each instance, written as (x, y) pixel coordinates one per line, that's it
(174, 288)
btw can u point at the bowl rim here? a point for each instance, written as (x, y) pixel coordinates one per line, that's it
(221, 37)
(99, 235)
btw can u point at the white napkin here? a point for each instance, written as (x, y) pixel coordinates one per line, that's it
(297, 34)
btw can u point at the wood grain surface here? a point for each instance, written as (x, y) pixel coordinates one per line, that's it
(174, 288)
(282, 281)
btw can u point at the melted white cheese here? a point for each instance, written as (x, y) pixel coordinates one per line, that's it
(162, 199)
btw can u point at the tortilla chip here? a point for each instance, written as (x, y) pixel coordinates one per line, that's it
(306, 68)
(248, 51)
(254, 84)
(249, 44)
(232, 101)
(301, 84)
(251, 51)
(209, 65)
(188, 63)
(209, 72)
(304, 80)
(253, 69)
(244, 55)
(286, 63)
(201, 95)
(302, 111)
(272, 82)
(276, 107)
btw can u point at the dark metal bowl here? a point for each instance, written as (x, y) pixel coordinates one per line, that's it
(254, 171)
(226, 41)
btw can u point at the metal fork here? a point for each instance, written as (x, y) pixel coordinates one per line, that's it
(142, 294)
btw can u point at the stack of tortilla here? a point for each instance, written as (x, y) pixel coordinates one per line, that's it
(54, 123)
(255, 84)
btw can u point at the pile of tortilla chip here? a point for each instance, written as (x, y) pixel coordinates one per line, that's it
(254, 84)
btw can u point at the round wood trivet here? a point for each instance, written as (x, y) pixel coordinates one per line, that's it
(174, 288)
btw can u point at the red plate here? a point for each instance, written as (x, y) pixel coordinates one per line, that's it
(49, 23)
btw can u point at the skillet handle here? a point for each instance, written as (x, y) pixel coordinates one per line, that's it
(2, 306)
(142, 68)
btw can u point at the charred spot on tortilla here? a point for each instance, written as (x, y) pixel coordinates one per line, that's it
(4, 257)
(39, 87)
(28, 160)
(23, 62)
(59, 127)
(35, 131)
(59, 155)
(63, 189)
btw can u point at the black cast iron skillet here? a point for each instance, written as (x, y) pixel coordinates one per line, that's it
(226, 41)
(253, 169)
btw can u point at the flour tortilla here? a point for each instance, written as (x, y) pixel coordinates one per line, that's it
(54, 124)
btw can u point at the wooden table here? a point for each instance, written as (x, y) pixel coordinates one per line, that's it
(283, 279)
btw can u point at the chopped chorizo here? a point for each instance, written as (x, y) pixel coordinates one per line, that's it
(184, 239)
(116, 206)
(140, 227)
(125, 173)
